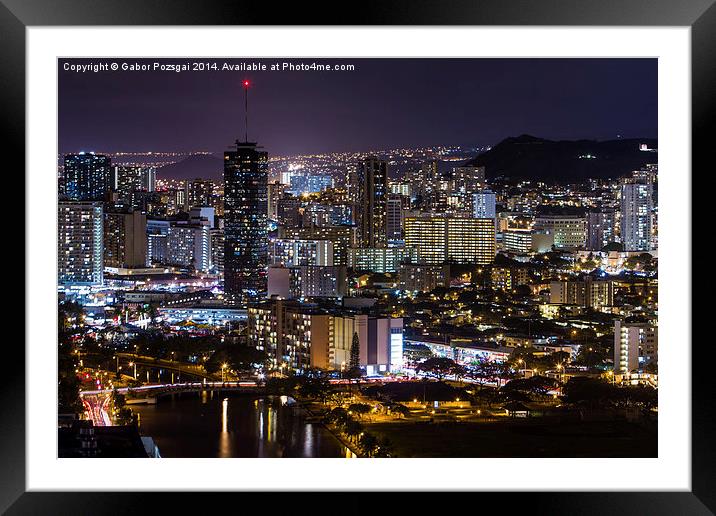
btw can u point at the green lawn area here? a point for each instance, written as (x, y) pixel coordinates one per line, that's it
(534, 437)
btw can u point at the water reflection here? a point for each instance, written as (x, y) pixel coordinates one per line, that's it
(193, 425)
(225, 437)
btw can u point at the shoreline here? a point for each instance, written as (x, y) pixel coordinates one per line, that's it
(304, 405)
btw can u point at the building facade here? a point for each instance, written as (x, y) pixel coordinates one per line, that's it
(245, 221)
(371, 195)
(87, 176)
(80, 243)
(635, 345)
(636, 215)
(569, 231)
(439, 239)
(125, 238)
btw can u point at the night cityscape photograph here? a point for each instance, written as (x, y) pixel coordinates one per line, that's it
(357, 258)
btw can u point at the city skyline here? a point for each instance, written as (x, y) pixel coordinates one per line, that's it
(377, 293)
(383, 104)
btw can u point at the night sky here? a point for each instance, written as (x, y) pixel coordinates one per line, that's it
(384, 103)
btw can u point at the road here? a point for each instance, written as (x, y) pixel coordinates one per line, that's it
(96, 406)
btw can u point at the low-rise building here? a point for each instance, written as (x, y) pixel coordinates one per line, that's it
(423, 278)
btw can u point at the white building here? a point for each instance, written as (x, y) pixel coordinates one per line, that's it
(636, 208)
(635, 345)
(483, 204)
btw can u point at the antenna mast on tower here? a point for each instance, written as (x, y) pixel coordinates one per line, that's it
(246, 111)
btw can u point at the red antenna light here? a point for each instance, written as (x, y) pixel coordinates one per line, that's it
(246, 83)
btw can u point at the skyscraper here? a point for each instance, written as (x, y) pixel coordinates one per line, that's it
(371, 192)
(636, 207)
(394, 218)
(245, 221)
(87, 176)
(600, 228)
(80, 243)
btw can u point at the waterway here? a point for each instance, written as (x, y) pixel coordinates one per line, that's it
(213, 424)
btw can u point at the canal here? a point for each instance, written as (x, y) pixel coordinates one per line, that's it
(213, 424)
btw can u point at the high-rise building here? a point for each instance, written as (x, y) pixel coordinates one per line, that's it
(189, 245)
(200, 191)
(440, 239)
(87, 176)
(601, 225)
(157, 245)
(636, 213)
(394, 218)
(288, 211)
(298, 335)
(483, 204)
(304, 184)
(371, 195)
(315, 214)
(80, 243)
(635, 345)
(294, 252)
(381, 259)
(343, 238)
(306, 281)
(217, 249)
(127, 179)
(125, 238)
(274, 192)
(381, 343)
(245, 221)
(467, 180)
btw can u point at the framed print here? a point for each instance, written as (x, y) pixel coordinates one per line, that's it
(435, 249)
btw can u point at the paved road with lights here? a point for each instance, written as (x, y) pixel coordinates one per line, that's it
(96, 406)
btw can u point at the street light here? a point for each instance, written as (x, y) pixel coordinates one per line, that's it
(223, 367)
(561, 375)
(135, 368)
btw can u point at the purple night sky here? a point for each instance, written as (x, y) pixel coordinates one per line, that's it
(383, 103)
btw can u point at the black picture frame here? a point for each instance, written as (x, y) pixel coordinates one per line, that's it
(700, 15)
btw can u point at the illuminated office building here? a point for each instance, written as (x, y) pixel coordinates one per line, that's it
(290, 253)
(343, 238)
(601, 225)
(371, 191)
(569, 231)
(245, 221)
(636, 214)
(439, 239)
(80, 243)
(483, 204)
(87, 177)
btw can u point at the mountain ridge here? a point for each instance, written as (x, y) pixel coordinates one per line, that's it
(530, 157)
